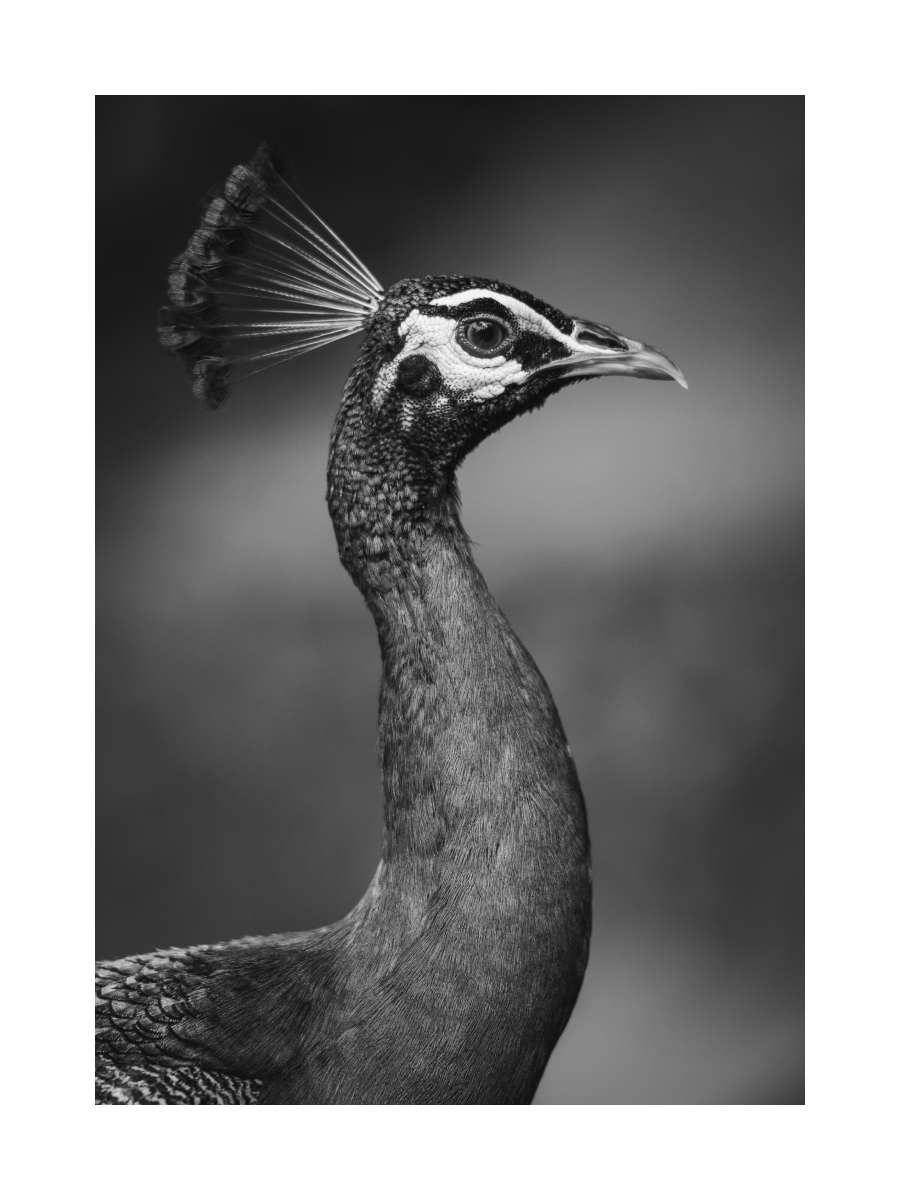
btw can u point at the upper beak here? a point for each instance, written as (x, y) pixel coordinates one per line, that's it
(599, 350)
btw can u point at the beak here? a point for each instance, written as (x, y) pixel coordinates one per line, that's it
(599, 350)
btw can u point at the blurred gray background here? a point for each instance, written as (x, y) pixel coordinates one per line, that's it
(644, 541)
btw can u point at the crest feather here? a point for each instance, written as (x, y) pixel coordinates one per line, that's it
(262, 280)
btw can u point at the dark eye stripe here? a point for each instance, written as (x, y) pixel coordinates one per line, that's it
(487, 306)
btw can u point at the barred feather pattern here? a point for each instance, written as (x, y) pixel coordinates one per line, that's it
(262, 281)
(151, 1013)
(143, 1084)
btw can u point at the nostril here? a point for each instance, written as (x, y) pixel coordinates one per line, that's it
(604, 340)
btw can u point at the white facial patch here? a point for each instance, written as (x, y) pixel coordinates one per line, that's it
(382, 384)
(435, 337)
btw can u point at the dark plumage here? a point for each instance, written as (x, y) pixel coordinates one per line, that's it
(452, 979)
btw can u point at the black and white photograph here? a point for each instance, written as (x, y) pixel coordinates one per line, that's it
(450, 600)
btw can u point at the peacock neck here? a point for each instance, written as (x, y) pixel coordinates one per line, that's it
(477, 777)
(482, 900)
(485, 855)
(479, 914)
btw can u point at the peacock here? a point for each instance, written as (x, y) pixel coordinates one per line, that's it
(452, 979)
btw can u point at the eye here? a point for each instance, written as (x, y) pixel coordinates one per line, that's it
(482, 337)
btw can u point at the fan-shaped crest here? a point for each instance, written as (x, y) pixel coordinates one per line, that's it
(263, 280)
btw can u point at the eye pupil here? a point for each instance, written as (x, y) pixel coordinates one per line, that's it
(484, 334)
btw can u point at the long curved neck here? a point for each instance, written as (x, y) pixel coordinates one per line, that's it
(482, 901)
(468, 729)
(478, 779)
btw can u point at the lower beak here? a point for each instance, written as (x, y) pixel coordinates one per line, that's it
(602, 351)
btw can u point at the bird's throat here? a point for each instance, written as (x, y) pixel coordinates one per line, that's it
(484, 816)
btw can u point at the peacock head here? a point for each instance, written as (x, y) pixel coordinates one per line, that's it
(449, 359)
(445, 360)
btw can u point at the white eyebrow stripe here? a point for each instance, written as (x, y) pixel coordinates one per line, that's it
(473, 294)
(526, 314)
